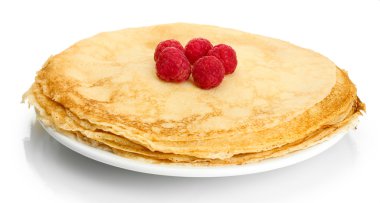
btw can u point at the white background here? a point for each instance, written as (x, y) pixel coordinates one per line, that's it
(35, 168)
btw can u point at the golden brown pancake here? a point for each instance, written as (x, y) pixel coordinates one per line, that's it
(281, 98)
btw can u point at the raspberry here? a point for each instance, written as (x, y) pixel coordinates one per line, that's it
(172, 65)
(167, 43)
(226, 55)
(196, 48)
(208, 72)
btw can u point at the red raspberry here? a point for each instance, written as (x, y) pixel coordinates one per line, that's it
(167, 43)
(172, 65)
(226, 55)
(196, 48)
(208, 72)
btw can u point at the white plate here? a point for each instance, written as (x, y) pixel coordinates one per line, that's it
(188, 171)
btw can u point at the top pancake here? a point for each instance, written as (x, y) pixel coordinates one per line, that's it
(110, 78)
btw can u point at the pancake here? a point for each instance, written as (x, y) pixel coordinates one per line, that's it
(281, 98)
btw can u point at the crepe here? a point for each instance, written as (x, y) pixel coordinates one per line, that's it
(281, 98)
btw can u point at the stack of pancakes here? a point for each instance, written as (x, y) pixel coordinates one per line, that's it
(282, 98)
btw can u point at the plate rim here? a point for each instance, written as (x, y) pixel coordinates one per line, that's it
(112, 159)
